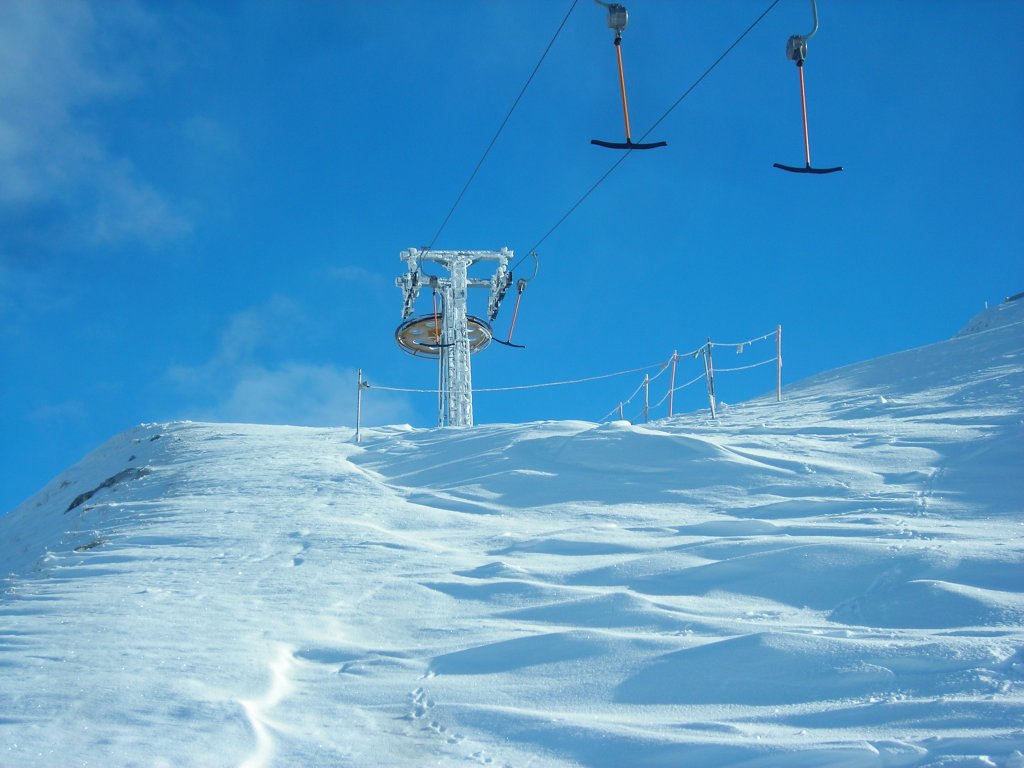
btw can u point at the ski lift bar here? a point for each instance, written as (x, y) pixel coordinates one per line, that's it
(520, 287)
(796, 50)
(617, 20)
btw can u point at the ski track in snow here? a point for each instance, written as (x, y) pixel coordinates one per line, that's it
(835, 580)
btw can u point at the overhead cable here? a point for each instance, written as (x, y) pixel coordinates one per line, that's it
(501, 127)
(646, 133)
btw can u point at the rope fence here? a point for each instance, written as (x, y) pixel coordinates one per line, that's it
(520, 386)
(678, 389)
(745, 367)
(704, 352)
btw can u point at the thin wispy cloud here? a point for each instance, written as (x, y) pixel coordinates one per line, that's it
(206, 132)
(361, 275)
(301, 394)
(62, 182)
(240, 383)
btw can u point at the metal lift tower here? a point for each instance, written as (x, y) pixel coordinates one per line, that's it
(450, 333)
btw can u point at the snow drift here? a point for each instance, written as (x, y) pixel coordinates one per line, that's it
(834, 580)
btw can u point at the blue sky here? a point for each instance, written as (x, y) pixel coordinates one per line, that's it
(202, 205)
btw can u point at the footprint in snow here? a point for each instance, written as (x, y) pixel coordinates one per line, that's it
(421, 709)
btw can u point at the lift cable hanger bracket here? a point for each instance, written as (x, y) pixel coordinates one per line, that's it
(520, 287)
(617, 20)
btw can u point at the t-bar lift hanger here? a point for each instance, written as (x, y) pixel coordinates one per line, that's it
(796, 50)
(617, 20)
(520, 287)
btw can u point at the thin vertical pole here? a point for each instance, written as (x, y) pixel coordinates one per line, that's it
(672, 382)
(622, 86)
(803, 106)
(778, 366)
(621, 417)
(359, 403)
(709, 374)
(647, 395)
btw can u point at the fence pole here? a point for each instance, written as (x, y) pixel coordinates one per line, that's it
(709, 374)
(647, 394)
(672, 382)
(359, 403)
(778, 367)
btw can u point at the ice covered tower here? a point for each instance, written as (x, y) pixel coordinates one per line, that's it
(450, 333)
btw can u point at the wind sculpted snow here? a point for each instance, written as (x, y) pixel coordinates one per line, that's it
(834, 580)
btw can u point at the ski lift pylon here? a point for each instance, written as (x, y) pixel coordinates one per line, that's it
(796, 51)
(618, 17)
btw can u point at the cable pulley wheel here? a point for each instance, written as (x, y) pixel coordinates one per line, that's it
(421, 336)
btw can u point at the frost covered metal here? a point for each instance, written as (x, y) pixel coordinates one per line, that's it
(450, 333)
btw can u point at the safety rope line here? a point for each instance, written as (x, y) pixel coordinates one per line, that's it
(767, 336)
(703, 349)
(646, 382)
(746, 367)
(650, 130)
(501, 127)
(681, 386)
(522, 386)
(636, 392)
(563, 383)
(663, 366)
(612, 412)
(694, 353)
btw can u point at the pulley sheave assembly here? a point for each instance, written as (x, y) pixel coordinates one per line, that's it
(421, 336)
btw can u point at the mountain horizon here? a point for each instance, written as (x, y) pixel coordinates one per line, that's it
(830, 580)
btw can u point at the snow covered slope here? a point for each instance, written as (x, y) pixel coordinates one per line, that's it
(834, 580)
